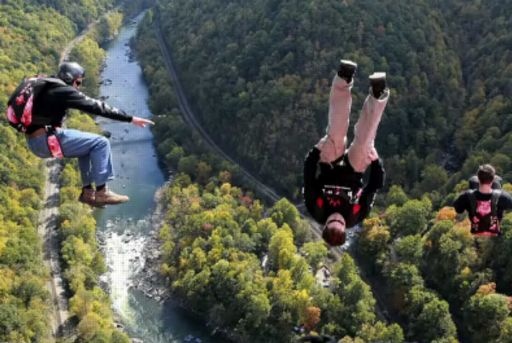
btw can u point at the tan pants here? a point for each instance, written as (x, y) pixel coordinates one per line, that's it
(361, 151)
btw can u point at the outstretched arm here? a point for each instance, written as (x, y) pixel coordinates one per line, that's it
(72, 98)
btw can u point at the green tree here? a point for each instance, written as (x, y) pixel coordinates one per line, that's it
(411, 218)
(283, 212)
(379, 332)
(409, 249)
(506, 331)
(448, 252)
(402, 277)
(315, 253)
(434, 323)
(484, 315)
(433, 178)
(396, 196)
(89, 326)
(374, 239)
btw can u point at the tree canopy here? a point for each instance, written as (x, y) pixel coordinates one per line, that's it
(33, 34)
(258, 75)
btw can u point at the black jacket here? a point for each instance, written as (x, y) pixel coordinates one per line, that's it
(56, 98)
(338, 188)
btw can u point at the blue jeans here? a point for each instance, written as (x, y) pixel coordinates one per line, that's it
(92, 150)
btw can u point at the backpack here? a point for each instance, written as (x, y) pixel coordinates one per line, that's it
(21, 103)
(484, 214)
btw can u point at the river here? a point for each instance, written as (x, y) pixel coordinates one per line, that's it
(125, 228)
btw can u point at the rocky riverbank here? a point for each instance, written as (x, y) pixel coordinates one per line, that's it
(141, 263)
(149, 280)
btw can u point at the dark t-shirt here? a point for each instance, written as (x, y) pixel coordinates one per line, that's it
(338, 188)
(462, 203)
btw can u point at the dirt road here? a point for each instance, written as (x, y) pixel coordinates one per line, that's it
(47, 229)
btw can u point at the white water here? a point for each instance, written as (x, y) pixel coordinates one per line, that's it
(124, 258)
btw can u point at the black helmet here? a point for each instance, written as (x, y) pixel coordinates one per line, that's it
(70, 71)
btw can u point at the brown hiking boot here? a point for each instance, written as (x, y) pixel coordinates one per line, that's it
(107, 197)
(88, 197)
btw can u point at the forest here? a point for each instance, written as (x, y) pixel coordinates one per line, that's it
(252, 269)
(259, 73)
(27, 49)
(258, 76)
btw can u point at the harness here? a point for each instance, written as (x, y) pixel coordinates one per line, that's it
(340, 194)
(484, 220)
(340, 199)
(336, 194)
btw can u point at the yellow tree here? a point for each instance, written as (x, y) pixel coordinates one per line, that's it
(281, 250)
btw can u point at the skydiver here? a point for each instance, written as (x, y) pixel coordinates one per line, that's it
(46, 138)
(336, 197)
(485, 205)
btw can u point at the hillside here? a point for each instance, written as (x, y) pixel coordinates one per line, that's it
(32, 36)
(272, 62)
(258, 75)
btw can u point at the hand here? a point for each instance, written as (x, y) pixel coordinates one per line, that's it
(141, 122)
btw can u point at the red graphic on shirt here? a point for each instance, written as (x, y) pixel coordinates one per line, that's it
(484, 219)
(319, 202)
(483, 208)
(334, 202)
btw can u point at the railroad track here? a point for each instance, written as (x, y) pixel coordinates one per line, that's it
(191, 120)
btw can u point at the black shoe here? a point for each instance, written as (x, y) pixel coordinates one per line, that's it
(346, 70)
(378, 84)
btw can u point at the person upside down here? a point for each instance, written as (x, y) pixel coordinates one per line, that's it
(334, 193)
